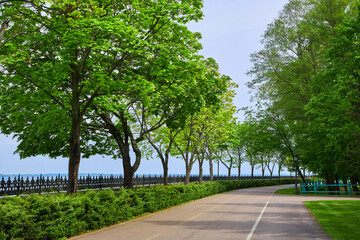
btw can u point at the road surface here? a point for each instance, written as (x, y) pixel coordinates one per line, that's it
(248, 214)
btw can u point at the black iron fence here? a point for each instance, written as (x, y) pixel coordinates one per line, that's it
(20, 185)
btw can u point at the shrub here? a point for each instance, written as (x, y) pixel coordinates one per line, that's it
(55, 216)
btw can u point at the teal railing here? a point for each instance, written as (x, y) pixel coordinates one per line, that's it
(320, 187)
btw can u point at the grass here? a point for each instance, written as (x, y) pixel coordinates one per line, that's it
(288, 191)
(291, 191)
(339, 219)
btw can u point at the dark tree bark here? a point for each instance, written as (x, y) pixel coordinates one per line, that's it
(187, 175)
(74, 141)
(201, 162)
(354, 181)
(211, 165)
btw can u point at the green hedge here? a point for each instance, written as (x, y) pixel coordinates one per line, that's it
(54, 216)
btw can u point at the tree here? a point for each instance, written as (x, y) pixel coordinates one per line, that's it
(219, 125)
(237, 147)
(186, 145)
(71, 57)
(162, 141)
(334, 112)
(289, 77)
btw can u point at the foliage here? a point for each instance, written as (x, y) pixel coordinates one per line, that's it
(70, 66)
(307, 77)
(59, 215)
(206, 131)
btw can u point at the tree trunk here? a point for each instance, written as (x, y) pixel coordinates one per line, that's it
(337, 187)
(201, 162)
(329, 180)
(279, 171)
(74, 160)
(187, 176)
(200, 174)
(229, 173)
(211, 166)
(354, 181)
(252, 172)
(239, 171)
(128, 171)
(74, 144)
(122, 138)
(165, 170)
(301, 175)
(271, 170)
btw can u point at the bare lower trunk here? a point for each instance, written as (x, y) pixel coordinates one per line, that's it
(301, 175)
(200, 174)
(354, 181)
(165, 170)
(128, 179)
(74, 144)
(337, 187)
(239, 172)
(330, 181)
(211, 169)
(279, 172)
(211, 166)
(201, 159)
(128, 172)
(252, 172)
(229, 173)
(74, 163)
(124, 138)
(187, 176)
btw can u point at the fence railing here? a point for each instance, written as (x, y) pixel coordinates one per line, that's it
(320, 187)
(20, 185)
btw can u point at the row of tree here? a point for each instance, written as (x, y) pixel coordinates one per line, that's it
(307, 84)
(119, 78)
(125, 79)
(81, 77)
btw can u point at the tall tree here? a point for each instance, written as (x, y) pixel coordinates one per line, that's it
(162, 141)
(287, 76)
(74, 55)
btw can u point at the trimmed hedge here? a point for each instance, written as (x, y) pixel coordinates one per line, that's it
(57, 216)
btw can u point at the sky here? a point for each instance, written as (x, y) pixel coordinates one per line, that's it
(231, 30)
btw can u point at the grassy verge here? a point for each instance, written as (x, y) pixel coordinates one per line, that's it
(339, 219)
(291, 191)
(55, 216)
(288, 191)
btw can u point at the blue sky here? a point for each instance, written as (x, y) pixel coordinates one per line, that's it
(231, 30)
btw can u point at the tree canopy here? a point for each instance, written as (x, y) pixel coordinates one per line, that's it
(306, 73)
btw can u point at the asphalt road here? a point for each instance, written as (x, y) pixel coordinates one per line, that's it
(249, 214)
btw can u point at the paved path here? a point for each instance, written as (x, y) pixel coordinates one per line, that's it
(249, 214)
